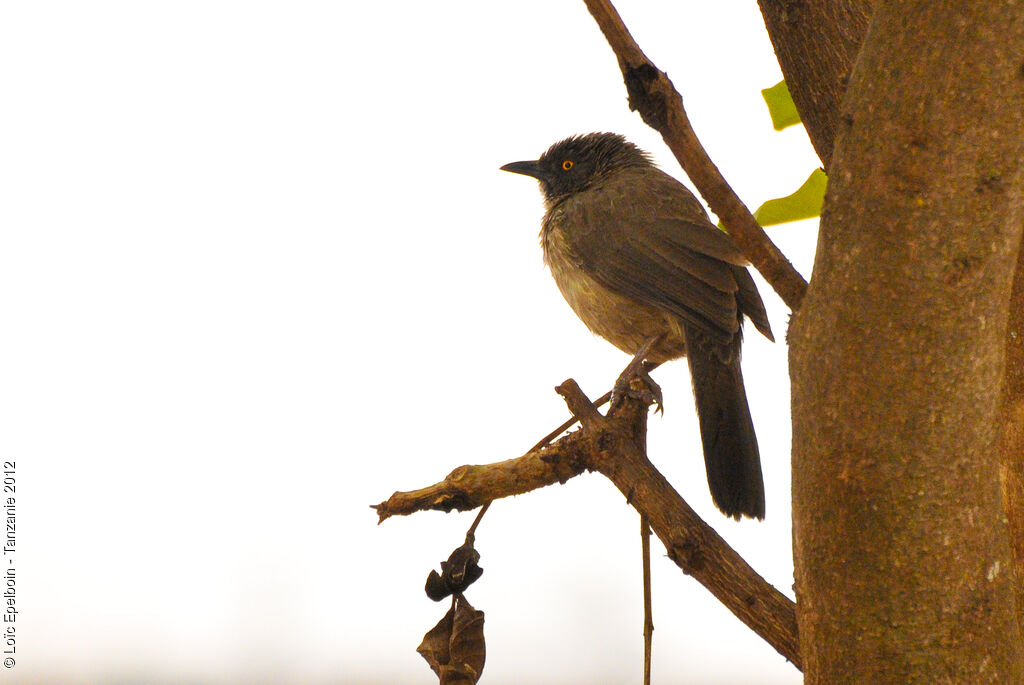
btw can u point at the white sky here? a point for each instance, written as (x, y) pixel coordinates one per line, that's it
(259, 269)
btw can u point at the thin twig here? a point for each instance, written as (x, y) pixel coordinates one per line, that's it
(546, 440)
(645, 546)
(471, 533)
(652, 94)
(599, 402)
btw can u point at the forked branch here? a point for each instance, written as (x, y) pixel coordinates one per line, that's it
(606, 444)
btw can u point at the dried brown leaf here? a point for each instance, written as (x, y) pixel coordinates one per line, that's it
(455, 648)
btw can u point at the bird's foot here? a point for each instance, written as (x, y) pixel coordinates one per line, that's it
(638, 369)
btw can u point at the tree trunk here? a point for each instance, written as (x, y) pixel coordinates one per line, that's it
(1011, 426)
(816, 43)
(902, 554)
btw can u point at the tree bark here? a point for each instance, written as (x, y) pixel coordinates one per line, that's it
(1011, 426)
(897, 355)
(817, 43)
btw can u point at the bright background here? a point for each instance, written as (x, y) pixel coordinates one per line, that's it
(259, 269)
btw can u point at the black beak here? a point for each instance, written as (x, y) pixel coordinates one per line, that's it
(528, 168)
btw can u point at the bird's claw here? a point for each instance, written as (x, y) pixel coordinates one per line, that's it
(650, 393)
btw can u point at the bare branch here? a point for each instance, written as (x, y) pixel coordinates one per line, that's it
(471, 486)
(652, 94)
(608, 444)
(580, 405)
(691, 543)
(645, 553)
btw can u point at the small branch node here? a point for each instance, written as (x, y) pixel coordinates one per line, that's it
(579, 404)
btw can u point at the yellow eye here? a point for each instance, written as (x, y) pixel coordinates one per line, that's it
(567, 164)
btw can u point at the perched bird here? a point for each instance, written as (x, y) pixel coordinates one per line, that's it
(639, 261)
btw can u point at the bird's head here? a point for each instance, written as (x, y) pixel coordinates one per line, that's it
(576, 163)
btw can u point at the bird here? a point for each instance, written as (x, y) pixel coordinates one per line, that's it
(636, 257)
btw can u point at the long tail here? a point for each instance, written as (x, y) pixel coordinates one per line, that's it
(730, 446)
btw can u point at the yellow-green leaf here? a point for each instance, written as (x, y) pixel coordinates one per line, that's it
(780, 106)
(805, 203)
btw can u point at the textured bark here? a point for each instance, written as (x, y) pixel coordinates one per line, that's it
(816, 43)
(897, 356)
(1011, 426)
(473, 485)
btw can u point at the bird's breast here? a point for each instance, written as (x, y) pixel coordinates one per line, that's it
(621, 320)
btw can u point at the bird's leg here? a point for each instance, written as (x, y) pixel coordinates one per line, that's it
(638, 369)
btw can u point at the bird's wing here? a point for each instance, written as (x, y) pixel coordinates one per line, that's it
(667, 255)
